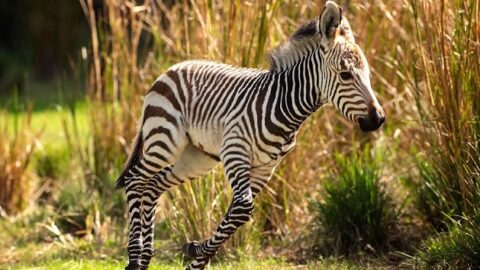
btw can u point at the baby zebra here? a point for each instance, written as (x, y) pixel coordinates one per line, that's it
(200, 113)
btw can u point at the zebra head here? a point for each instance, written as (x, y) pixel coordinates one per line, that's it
(347, 72)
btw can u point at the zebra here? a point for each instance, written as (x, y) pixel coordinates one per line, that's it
(200, 113)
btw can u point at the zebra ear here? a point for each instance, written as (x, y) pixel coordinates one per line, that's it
(346, 30)
(329, 21)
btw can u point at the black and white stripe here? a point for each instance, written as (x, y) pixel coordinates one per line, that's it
(200, 113)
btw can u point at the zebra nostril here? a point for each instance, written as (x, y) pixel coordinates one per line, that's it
(373, 117)
(376, 117)
(381, 120)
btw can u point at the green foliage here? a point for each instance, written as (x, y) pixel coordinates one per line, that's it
(52, 163)
(355, 211)
(51, 166)
(109, 264)
(436, 196)
(458, 247)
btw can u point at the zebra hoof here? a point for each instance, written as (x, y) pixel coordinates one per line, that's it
(190, 249)
(133, 266)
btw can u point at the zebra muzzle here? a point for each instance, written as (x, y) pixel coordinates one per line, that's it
(372, 122)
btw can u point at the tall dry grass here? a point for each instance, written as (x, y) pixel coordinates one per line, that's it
(420, 81)
(17, 147)
(447, 35)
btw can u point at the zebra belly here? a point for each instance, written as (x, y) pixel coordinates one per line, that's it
(208, 140)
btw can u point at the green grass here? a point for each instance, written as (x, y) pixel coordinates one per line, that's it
(240, 265)
(51, 104)
(80, 254)
(43, 95)
(355, 211)
(113, 264)
(251, 264)
(49, 122)
(458, 247)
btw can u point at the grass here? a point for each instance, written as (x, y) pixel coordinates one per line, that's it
(83, 255)
(17, 146)
(458, 247)
(448, 184)
(253, 264)
(50, 103)
(115, 264)
(50, 122)
(356, 212)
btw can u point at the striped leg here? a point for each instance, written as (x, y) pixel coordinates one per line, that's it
(238, 169)
(259, 177)
(158, 156)
(152, 192)
(190, 165)
(135, 181)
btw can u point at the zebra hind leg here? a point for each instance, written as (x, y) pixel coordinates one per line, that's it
(192, 163)
(136, 180)
(150, 196)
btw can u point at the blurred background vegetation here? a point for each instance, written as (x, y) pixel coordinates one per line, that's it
(72, 78)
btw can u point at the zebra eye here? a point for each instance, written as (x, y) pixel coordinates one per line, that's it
(346, 75)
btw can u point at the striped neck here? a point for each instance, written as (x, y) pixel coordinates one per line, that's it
(298, 90)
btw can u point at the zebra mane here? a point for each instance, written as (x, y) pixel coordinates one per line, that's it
(298, 45)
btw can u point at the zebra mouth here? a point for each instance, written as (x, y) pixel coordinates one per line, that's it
(372, 122)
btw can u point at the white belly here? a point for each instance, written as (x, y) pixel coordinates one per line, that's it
(206, 139)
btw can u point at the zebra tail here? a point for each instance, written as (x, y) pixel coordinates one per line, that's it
(133, 158)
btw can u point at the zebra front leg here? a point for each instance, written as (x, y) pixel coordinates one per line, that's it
(237, 168)
(238, 214)
(259, 177)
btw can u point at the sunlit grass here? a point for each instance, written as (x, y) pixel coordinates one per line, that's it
(50, 122)
(86, 264)
(17, 146)
(458, 248)
(251, 264)
(106, 264)
(81, 255)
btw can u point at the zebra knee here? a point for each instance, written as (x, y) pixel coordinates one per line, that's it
(241, 210)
